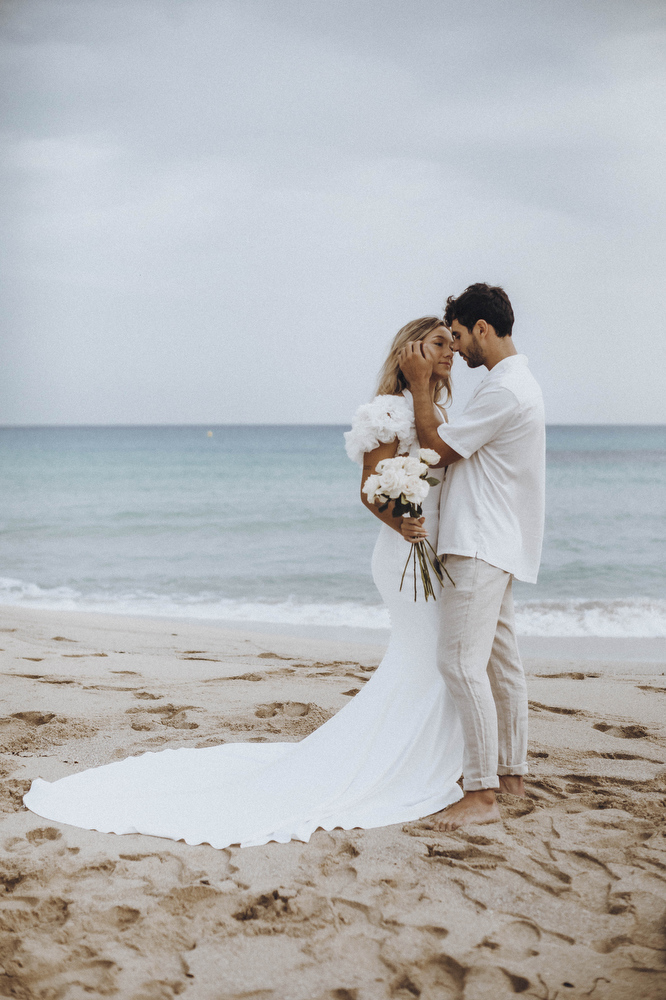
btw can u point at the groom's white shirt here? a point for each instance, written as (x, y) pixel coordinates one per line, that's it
(493, 500)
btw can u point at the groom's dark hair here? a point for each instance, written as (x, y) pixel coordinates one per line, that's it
(481, 301)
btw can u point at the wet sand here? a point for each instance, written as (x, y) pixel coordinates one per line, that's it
(565, 898)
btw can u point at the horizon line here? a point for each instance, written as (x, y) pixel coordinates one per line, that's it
(206, 426)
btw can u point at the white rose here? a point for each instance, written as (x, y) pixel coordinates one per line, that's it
(412, 466)
(416, 467)
(429, 456)
(371, 488)
(416, 490)
(391, 481)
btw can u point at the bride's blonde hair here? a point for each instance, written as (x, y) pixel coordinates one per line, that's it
(391, 380)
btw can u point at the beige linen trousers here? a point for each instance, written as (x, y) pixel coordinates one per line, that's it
(479, 661)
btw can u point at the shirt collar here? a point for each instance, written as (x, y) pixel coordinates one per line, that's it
(512, 361)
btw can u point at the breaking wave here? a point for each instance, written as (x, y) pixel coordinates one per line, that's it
(621, 618)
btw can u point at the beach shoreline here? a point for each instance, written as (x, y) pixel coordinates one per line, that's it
(645, 653)
(567, 895)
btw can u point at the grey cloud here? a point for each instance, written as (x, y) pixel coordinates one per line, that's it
(532, 99)
(190, 177)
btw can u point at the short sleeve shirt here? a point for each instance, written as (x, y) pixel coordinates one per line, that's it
(493, 499)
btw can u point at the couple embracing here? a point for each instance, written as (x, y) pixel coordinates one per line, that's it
(449, 696)
(485, 522)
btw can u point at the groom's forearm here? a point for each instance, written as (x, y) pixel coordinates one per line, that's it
(426, 425)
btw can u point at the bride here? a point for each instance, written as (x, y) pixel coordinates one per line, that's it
(391, 755)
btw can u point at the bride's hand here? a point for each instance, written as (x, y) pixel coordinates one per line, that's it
(412, 529)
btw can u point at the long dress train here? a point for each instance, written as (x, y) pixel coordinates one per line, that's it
(393, 754)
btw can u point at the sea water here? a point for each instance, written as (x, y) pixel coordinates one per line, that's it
(264, 524)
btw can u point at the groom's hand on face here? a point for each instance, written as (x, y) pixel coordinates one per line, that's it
(415, 362)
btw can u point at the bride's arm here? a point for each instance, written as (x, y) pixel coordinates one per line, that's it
(410, 528)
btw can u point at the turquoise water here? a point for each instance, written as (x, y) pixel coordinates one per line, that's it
(265, 524)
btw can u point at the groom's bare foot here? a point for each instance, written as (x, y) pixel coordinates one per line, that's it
(512, 784)
(474, 807)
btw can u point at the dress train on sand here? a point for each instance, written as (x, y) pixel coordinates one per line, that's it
(393, 754)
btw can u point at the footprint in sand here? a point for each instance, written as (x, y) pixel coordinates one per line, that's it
(607, 945)
(572, 675)
(210, 741)
(269, 906)
(81, 656)
(237, 677)
(43, 834)
(538, 706)
(291, 709)
(34, 718)
(518, 939)
(544, 789)
(25, 732)
(43, 678)
(468, 856)
(28, 913)
(616, 755)
(295, 718)
(12, 791)
(173, 715)
(118, 918)
(514, 807)
(632, 732)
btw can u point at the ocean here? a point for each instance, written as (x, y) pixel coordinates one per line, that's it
(264, 524)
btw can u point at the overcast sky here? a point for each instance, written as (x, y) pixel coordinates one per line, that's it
(221, 212)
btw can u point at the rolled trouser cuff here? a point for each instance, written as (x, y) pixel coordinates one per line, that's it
(481, 784)
(517, 769)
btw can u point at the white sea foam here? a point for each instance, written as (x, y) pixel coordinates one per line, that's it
(202, 606)
(626, 618)
(632, 618)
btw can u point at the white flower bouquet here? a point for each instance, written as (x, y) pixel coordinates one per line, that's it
(404, 480)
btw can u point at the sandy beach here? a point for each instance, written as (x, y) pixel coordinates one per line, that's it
(565, 898)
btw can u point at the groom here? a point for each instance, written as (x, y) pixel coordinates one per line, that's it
(490, 531)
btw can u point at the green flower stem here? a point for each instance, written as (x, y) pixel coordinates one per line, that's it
(440, 564)
(420, 552)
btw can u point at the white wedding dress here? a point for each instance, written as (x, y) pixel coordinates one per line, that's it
(393, 754)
